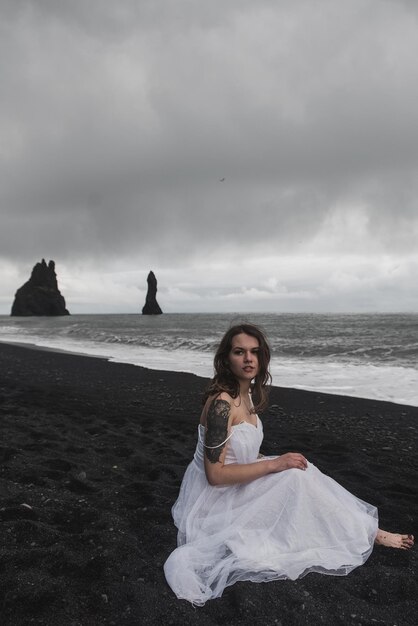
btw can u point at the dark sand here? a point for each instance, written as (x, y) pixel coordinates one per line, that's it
(92, 454)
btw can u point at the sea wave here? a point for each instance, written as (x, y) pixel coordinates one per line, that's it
(364, 356)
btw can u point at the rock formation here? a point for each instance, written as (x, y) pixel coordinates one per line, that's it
(40, 294)
(151, 306)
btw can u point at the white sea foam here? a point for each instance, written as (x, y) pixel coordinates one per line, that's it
(389, 383)
(185, 344)
(393, 384)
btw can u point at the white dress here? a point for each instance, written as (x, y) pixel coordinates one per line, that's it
(282, 525)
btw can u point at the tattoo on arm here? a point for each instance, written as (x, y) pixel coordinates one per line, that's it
(216, 429)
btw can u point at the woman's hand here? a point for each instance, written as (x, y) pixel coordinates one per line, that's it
(288, 461)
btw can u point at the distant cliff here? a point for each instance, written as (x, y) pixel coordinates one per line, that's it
(151, 306)
(40, 294)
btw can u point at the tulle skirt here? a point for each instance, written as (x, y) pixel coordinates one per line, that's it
(281, 526)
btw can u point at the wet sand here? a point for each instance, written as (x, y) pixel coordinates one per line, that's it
(91, 458)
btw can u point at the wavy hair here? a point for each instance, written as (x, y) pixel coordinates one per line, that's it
(224, 379)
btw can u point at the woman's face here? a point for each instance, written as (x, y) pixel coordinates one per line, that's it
(243, 357)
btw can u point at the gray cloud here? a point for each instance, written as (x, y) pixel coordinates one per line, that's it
(119, 120)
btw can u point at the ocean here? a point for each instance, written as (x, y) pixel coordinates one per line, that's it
(363, 355)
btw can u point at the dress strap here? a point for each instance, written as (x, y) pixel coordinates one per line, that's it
(219, 444)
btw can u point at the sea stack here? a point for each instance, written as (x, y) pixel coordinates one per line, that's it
(151, 306)
(40, 294)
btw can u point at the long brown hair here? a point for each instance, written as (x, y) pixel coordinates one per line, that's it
(224, 380)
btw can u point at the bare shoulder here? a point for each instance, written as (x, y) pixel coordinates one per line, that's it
(222, 397)
(217, 426)
(219, 404)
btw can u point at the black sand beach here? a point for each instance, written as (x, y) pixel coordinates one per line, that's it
(92, 454)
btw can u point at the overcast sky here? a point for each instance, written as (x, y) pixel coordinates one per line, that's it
(257, 156)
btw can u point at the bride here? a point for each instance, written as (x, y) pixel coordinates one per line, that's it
(243, 516)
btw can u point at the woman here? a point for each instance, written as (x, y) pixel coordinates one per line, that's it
(242, 516)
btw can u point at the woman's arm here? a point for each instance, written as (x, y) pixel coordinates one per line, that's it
(218, 426)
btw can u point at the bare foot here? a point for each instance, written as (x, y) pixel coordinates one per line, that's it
(394, 540)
